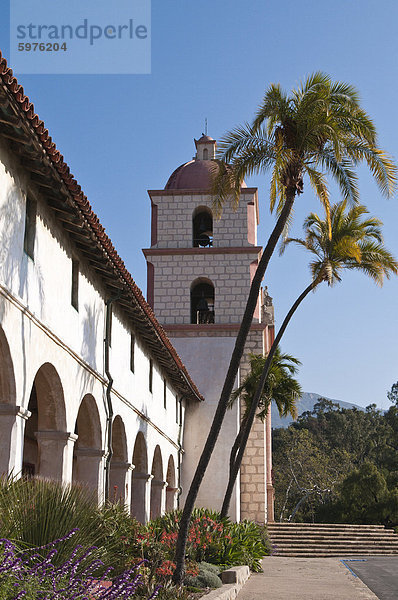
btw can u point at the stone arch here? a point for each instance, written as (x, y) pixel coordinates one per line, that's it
(202, 227)
(202, 301)
(45, 437)
(88, 452)
(10, 420)
(119, 465)
(140, 480)
(7, 377)
(157, 484)
(172, 489)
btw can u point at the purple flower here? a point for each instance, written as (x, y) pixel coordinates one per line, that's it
(73, 580)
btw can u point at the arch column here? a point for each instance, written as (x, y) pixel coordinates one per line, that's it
(141, 496)
(120, 481)
(158, 498)
(89, 467)
(55, 454)
(12, 427)
(171, 498)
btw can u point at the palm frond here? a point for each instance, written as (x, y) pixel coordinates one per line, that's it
(355, 243)
(280, 384)
(382, 167)
(343, 173)
(319, 129)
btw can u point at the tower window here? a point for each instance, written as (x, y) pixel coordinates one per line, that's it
(202, 228)
(202, 303)
(30, 227)
(75, 284)
(205, 154)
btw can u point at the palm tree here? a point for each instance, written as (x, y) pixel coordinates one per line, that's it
(320, 128)
(280, 386)
(346, 240)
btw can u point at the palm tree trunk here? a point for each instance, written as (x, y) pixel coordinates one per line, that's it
(228, 385)
(244, 436)
(236, 445)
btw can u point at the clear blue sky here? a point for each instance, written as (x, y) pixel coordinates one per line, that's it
(122, 135)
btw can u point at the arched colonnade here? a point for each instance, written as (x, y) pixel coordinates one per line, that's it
(34, 441)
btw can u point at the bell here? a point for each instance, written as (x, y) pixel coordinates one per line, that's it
(202, 227)
(202, 305)
(203, 240)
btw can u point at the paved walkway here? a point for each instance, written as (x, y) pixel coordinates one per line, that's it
(304, 579)
(380, 573)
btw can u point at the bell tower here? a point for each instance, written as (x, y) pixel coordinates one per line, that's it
(199, 274)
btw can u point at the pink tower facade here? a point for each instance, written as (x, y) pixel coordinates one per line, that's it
(199, 275)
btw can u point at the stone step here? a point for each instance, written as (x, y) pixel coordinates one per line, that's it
(328, 534)
(321, 540)
(322, 525)
(333, 553)
(344, 532)
(325, 528)
(328, 528)
(321, 537)
(335, 545)
(319, 551)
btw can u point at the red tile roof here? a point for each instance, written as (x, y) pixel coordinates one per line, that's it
(26, 107)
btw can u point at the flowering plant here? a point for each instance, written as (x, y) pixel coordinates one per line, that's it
(210, 539)
(29, 576)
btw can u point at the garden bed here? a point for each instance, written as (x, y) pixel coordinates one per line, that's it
(107, 544)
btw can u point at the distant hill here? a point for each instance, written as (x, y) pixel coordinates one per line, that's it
(306, 402)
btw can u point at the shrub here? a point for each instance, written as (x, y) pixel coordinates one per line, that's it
(210, 539)
(249, 544)
(209, 567)
(33, 512)
(206, 578)
(206, 537)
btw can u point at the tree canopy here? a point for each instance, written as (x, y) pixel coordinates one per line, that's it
(338, 465)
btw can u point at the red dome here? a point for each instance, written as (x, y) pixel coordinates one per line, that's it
(193, 175)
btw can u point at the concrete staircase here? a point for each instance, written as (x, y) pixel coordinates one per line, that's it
(318, 540)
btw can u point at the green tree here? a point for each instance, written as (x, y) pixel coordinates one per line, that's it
(280, 387)
(306, 473)
(345, 241)
(320, 128)
(350, 452)
(392, 395)
(365, 498)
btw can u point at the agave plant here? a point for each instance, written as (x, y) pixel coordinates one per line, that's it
(33, 512)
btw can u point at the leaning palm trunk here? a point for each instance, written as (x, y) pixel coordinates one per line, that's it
(228, 384)
(240, 443)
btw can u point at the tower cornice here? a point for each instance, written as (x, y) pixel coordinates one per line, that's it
(201, 251)
(195, 192)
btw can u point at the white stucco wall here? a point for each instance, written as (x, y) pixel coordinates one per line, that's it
(207, 360)
(41, 326)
